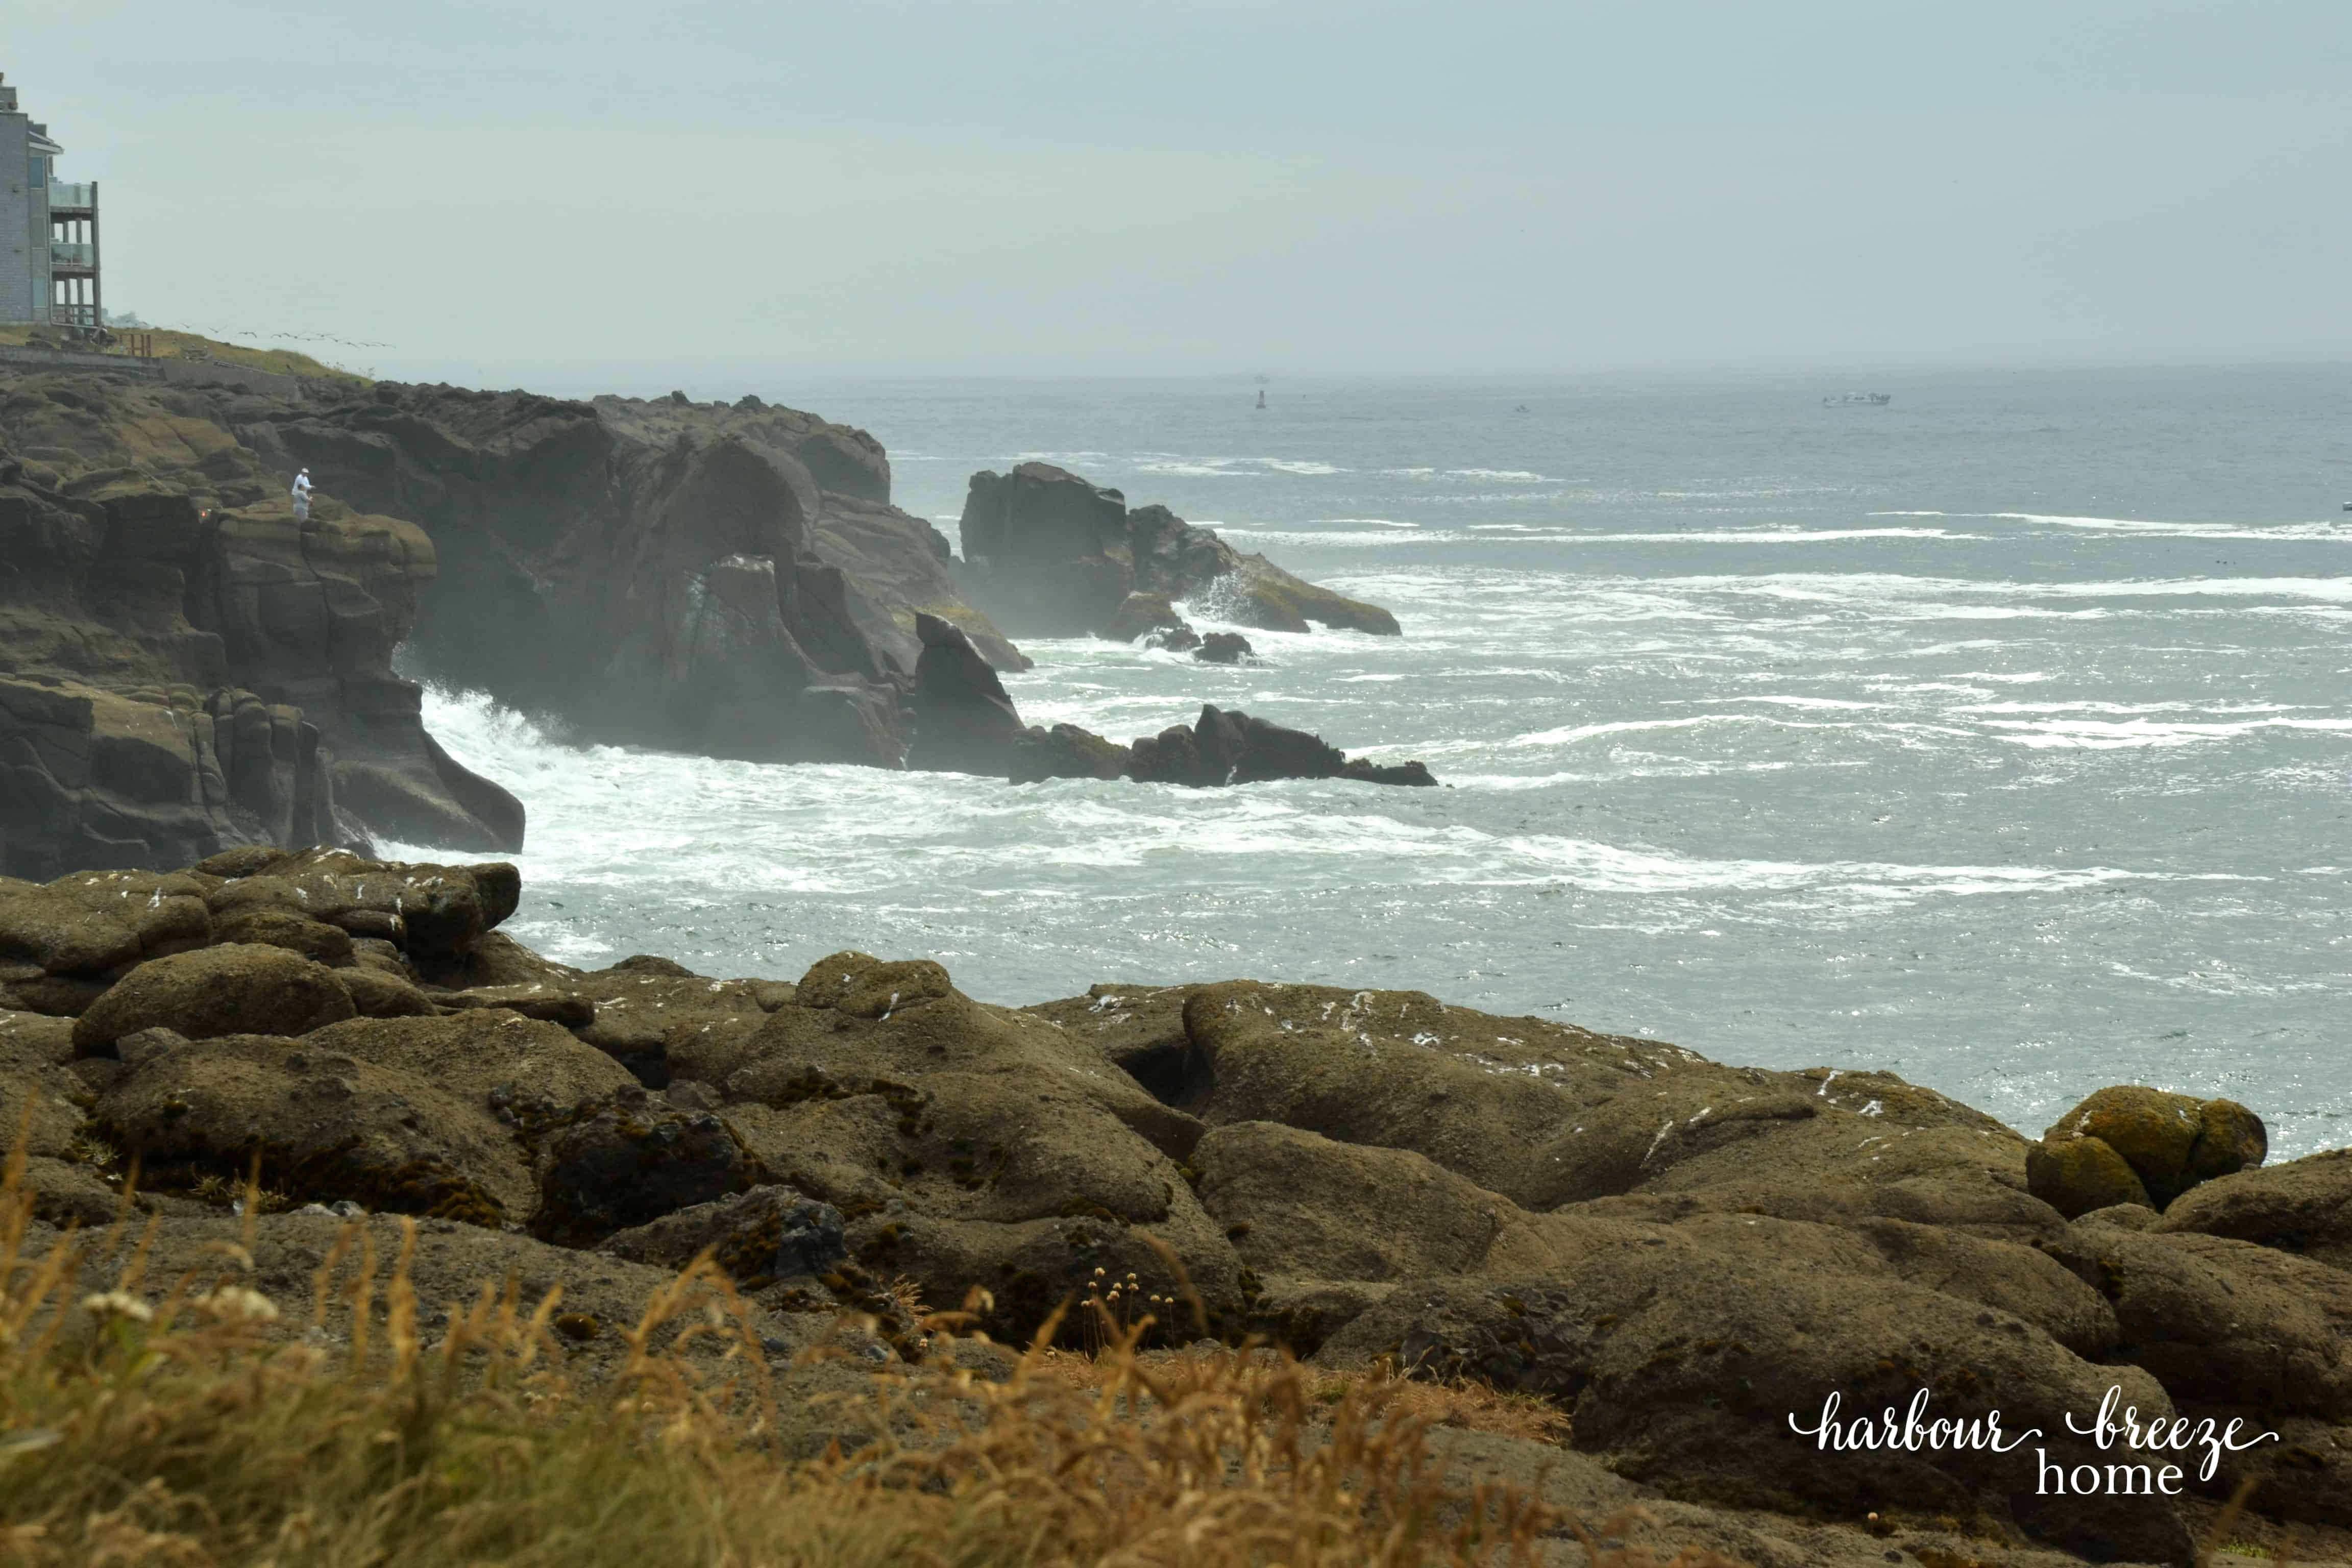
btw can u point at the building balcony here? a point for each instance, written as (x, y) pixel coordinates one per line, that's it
(73, 315)
(68, 198)
(73, 256)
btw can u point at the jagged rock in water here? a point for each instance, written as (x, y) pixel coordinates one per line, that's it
(964, 722)
(1225, 648)
(1049, 554)
(1231, 748)
(1067, 752)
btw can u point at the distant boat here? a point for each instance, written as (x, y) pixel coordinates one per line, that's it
(1261, 399)
(1868, 399)
(1522, 408)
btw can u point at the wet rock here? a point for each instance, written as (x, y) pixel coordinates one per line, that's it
(963, 720)
(1234, 748)
(1225, 648)
(1139, 615)
(233, 989)
(1182, 639)
(1065, 752)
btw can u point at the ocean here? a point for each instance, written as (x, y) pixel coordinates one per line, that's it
(1997, 737)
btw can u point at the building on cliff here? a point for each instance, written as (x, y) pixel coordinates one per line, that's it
(48, 228)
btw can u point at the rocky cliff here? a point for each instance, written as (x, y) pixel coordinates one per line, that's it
(726, 579)
(183, 666)
(1679, 1256)
(1048, 555)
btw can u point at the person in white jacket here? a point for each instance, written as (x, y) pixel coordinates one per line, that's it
(302, 495)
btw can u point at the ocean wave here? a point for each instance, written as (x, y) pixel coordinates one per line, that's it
(2091, 734)
(2331, 533)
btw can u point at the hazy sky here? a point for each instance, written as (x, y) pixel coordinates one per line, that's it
(1274, 184)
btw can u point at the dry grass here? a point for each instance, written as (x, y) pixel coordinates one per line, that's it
(170, 344)
(196, 1424)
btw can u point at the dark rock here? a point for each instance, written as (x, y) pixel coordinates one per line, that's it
(2223, 1322)
(759, 1237)
(1362, 771)
(1233, 748)
(2304, 1207)
(1684, 1359)
(630, 1160)
(189, 668)
(90, 924)
(1065, 752)
(1182, 640)
(1049, 554)
(1141, 614)
(233, 989)
(964, 722)
(1224, 647)
(266, 926)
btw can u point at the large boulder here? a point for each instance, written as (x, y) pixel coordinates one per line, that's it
(625, 1159)
(2090, 1157)
(238, 988)
(410, 1114)
(2304, 1207)
(1686, 1359)
(966, 1144)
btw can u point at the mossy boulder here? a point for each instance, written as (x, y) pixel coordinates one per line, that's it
(238, 988)
(2170, 1142)
(93, 923)
(2078, 1176)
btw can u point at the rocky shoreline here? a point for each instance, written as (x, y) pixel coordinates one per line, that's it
(1681, 1256)
(186, 665)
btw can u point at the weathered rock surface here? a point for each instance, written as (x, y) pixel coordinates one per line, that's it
(2131, 1144)
(1682, 1255)
(185, 666)
(2304, 1207)
(1048, 555)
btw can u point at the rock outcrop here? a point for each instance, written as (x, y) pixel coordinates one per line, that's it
(1048, 555)
(185, 666)
(1217, 749)
(1681, 1255)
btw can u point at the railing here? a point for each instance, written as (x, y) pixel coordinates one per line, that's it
(73, 254)
(80, 195)
(73, 315)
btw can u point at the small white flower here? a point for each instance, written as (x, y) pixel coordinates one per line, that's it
(237, 1302)
(119, 1304)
